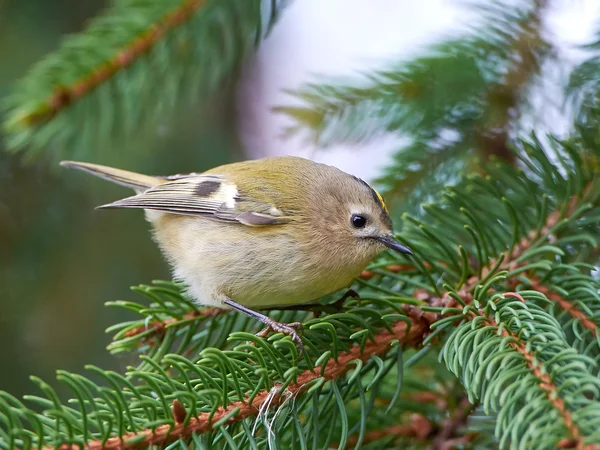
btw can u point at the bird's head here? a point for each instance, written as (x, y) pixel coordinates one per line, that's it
(357, 221)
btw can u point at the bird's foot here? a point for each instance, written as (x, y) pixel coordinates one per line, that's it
(290, 329)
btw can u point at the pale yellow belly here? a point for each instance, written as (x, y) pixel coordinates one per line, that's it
(247, 265)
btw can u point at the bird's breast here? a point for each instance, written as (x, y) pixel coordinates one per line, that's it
(259, 267)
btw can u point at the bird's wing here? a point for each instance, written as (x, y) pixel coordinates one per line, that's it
(207, 195)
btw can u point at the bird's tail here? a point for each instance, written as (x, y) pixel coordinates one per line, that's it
(133, 180)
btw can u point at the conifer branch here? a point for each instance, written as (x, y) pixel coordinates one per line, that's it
(410, 335)
(503, 54)
(547, 357)
(133, 65)
(510, 262)
(159, 326)
(447, 117)
(545, 382)
(65, 96)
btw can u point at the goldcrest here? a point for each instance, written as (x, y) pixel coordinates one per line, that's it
(273, 232)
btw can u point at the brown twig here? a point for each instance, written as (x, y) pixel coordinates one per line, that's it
(419, 428)
(448, 431)
(64, 96)
(427, 397)
(575, 312)
(204, 422)
(160, 326)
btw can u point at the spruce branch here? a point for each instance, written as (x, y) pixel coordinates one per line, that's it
(133, 65)
(159, 326)
(520, 259)
(251, 406)
(423, 96)
(550, 389)
(507, 98)
(516, 261)
(64, 96)
(173, 323)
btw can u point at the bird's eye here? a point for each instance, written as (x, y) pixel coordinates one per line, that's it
(358, 221)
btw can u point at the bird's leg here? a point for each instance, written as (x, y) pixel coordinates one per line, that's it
(291, 329)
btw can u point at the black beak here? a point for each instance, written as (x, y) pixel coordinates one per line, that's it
(393, 244)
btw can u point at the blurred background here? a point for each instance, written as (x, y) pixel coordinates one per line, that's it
(60, 259)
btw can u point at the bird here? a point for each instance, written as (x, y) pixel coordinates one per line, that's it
(262, 234)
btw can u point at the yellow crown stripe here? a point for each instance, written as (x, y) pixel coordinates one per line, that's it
(379, 197)
(381, 202)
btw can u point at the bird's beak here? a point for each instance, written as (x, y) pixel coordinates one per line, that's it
(390, 242)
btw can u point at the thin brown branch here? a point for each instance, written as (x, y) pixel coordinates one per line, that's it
(410, 335)
(64, 96)
(575, 312)
(160, 326)
(447, 433)
(427, 397)
(419, 428)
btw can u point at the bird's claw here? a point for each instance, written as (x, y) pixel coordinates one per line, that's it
(290, 329)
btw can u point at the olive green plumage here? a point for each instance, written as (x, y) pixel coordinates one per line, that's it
(266, 233)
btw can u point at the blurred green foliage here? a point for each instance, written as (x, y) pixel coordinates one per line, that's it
(60, 259)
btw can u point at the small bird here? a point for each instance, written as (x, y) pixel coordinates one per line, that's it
(261, 234)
